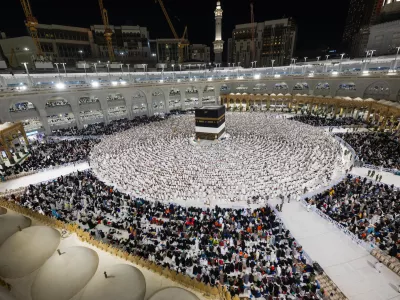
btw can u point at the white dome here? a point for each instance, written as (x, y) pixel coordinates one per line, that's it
(3, 210)
(27, 250)
(9, 225)
(63, 276)
(125, 282)
(174, 293)
(5, 294)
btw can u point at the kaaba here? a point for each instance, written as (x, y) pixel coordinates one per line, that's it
(210, 122)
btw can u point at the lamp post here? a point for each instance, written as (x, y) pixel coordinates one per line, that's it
(84, 66)
(81, 53)
(173, 71)
(395, 60)
(305, 66)
(293, 65)
(372, 53)
(27, 72)
(272, 62)
(95, 68)
(122, 70)
(229, 65)
(369, 52)
(340, 64)
(58, 70)
(326, 64)
(255, 64)
(65, 70)
(129, 73)
(108, 71)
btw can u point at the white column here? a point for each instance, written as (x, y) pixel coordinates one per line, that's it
(183, 96)
(45, 122)
(200, 93)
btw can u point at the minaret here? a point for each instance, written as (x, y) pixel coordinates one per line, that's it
(218, 43)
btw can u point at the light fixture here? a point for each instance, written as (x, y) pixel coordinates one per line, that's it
(179, 80)
(26, 49)
(161, 81)
(277, 75)
(335, 73)
(123, 82)
(257, 76)
(60, 85)
(226, 78)
(95, 84)
(209, 78)
(365, 72)
(114, 83)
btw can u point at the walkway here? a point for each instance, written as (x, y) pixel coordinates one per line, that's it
(347, 264)
(41, 176)
(388, 178)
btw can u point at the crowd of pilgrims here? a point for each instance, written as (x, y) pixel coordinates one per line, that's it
(51, 153)
(262, 155)
(379, 149)
(368, 209)
(321, 121)
(110, 128)
(247, 250)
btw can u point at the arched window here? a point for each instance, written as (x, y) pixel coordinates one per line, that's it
(347, 86)
(88, 99)
(323, 86)
(281, 86)
(300, 86)
(377, 91)
(57, 101)
(115, 97)
(21, 106)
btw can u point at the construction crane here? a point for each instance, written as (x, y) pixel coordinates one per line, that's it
(182, 41)
(107, 31)
(31, 23)
(253, 48)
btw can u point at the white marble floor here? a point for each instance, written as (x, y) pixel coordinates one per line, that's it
(42, 176)
(347, 264)
(388, 178)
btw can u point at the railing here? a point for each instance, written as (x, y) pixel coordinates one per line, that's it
(184, 77)
(394, 171)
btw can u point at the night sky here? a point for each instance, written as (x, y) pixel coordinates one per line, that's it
(320, 23)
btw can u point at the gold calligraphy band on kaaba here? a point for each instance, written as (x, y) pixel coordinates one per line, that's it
(210, 119)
